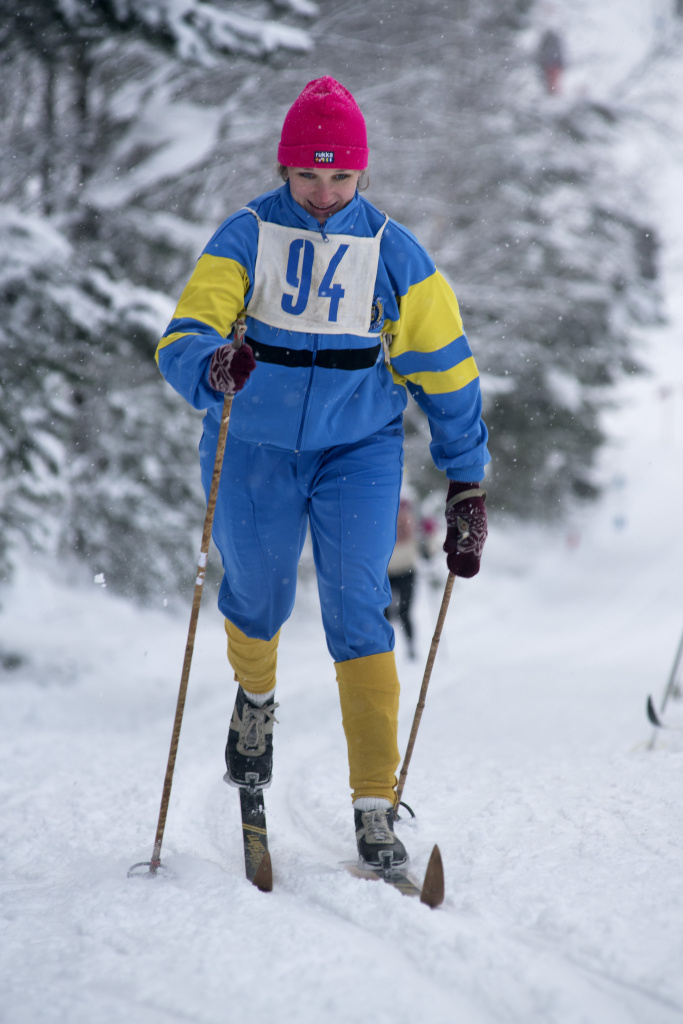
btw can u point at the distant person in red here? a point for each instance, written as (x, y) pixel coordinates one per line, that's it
(550, 59)
(401, 571)
(429, 539)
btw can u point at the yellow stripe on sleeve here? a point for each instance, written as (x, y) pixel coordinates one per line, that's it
(430, 320)
(449, 380)
(214, 296)
(215, 293)
(429, 317)
(168, 340)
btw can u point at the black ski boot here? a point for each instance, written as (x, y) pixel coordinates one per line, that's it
(378, 847)
(249, 751)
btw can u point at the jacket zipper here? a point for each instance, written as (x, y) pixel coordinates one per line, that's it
(325, 237)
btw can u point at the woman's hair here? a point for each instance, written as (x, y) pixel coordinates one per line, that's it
(363, 178)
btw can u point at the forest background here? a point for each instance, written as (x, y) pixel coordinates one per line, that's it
(129, 129)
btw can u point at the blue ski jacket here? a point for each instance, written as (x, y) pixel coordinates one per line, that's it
(312, 391)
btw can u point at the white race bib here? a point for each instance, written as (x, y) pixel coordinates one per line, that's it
(304, 283)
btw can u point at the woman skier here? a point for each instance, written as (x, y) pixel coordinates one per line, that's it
(345, 313)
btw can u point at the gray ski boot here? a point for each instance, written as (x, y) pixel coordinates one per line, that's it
(249, 751)
(378, 847)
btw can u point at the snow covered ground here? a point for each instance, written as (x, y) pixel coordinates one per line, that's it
(561, 831)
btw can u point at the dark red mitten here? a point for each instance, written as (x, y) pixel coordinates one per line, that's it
(230, 368)
(467, 528)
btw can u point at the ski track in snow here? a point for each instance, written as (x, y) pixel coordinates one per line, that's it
(561, 832)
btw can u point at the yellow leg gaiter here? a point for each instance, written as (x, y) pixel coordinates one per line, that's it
(254, 661)
(369, 690)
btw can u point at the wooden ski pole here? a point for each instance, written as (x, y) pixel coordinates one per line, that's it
(423, 690)
(155, 862)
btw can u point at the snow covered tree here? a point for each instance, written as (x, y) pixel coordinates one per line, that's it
(94, 457)
(74, 58)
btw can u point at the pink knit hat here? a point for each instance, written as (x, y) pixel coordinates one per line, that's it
(324, 126)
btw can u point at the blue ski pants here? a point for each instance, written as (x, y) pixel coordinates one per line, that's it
(348, 496)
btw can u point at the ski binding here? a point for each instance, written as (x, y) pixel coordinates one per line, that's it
(432, 890)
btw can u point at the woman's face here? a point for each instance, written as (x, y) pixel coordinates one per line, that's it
(322, 191)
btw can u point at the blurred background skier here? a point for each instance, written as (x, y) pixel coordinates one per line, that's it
(345, 313)
(403, 569)
(550, 58)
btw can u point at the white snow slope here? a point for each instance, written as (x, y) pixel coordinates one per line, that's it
(561, 831)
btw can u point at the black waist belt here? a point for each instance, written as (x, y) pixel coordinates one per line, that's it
(328, 358)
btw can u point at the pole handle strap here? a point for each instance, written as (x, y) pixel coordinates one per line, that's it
(239, 329)
(475, 492)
